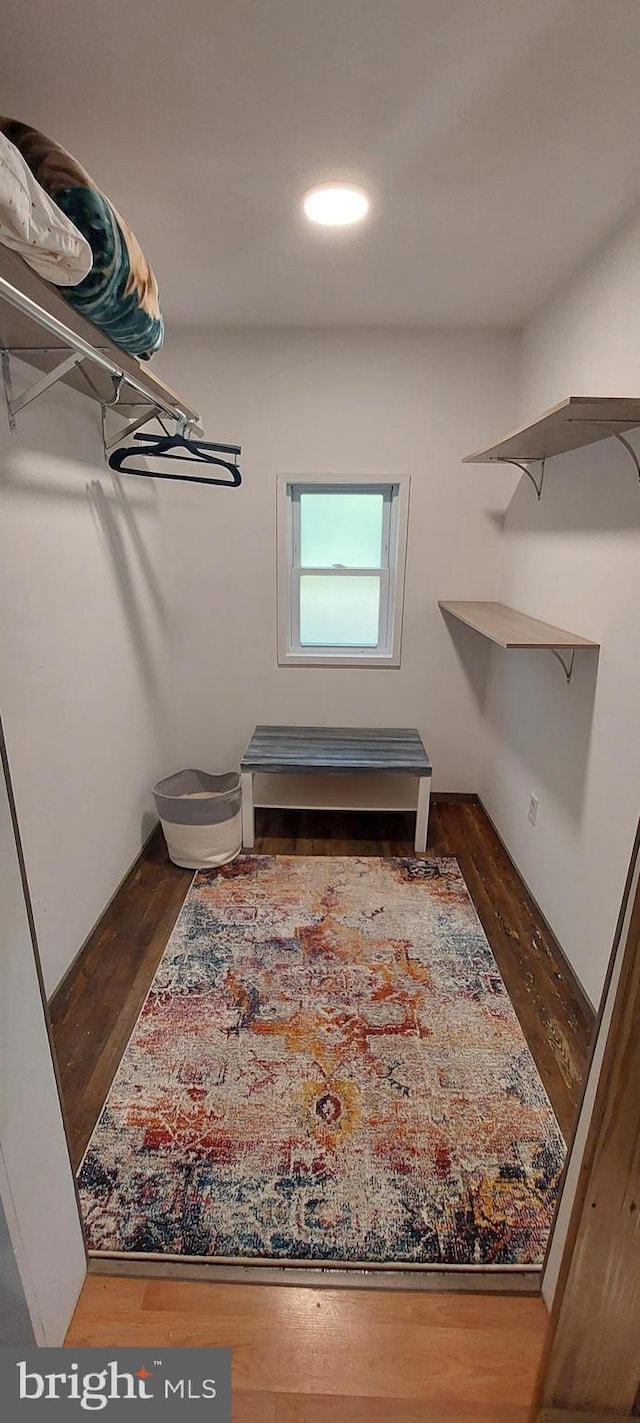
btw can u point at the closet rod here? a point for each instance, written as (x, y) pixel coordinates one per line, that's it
(77, 343)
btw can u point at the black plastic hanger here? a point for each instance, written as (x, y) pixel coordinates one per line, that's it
(152, 447)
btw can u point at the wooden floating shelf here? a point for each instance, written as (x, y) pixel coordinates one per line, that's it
(578, 421)
(21, 334)
(511, 629)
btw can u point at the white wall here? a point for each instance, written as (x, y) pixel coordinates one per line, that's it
(84, 644)
(585, 340)
(377, 402)
(36, 1182)
(574, 560)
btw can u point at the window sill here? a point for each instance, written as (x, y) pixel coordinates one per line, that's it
(332, 659)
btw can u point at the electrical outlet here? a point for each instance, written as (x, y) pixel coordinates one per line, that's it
(533, 809)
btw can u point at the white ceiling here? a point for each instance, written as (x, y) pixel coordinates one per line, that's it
(499, 139)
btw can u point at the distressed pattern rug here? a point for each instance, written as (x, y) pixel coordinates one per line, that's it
(327, 1068)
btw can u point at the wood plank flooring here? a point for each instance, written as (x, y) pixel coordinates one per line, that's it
(95, 1009)
(555, 1015)
(317, 1356)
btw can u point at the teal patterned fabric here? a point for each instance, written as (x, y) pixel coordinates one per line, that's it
(103, 296)
(120, 294)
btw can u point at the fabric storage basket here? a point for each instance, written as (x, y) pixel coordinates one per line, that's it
(201, 817)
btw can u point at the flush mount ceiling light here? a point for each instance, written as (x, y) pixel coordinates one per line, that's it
(336, 204)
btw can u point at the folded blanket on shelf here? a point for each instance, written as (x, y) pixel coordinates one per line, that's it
(120, 293)
(33, 225)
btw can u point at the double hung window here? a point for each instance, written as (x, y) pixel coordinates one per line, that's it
(341, 570)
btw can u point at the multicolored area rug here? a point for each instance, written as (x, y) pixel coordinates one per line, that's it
(327, 1068)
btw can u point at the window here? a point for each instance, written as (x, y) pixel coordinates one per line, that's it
(341, 551)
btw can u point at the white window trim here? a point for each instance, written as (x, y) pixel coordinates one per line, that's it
(389, 656)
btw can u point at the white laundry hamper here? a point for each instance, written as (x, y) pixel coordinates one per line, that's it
(201, 816)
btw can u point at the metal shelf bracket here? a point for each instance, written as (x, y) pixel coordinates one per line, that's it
(75, 358)
(39, 386)
(8, 391)
(630, 450)
(567, 666)
(537, 484)
(125, 430)
(615, 434)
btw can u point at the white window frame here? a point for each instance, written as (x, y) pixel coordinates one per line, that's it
(391, 571)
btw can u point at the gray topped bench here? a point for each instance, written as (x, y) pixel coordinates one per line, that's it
(318, 749)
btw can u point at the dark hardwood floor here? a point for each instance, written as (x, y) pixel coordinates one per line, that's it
(94, 1010)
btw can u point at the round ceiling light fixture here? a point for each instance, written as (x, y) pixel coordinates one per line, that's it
(336, 204)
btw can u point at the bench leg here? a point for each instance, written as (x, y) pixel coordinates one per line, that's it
(248, 834)
(422, 813)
